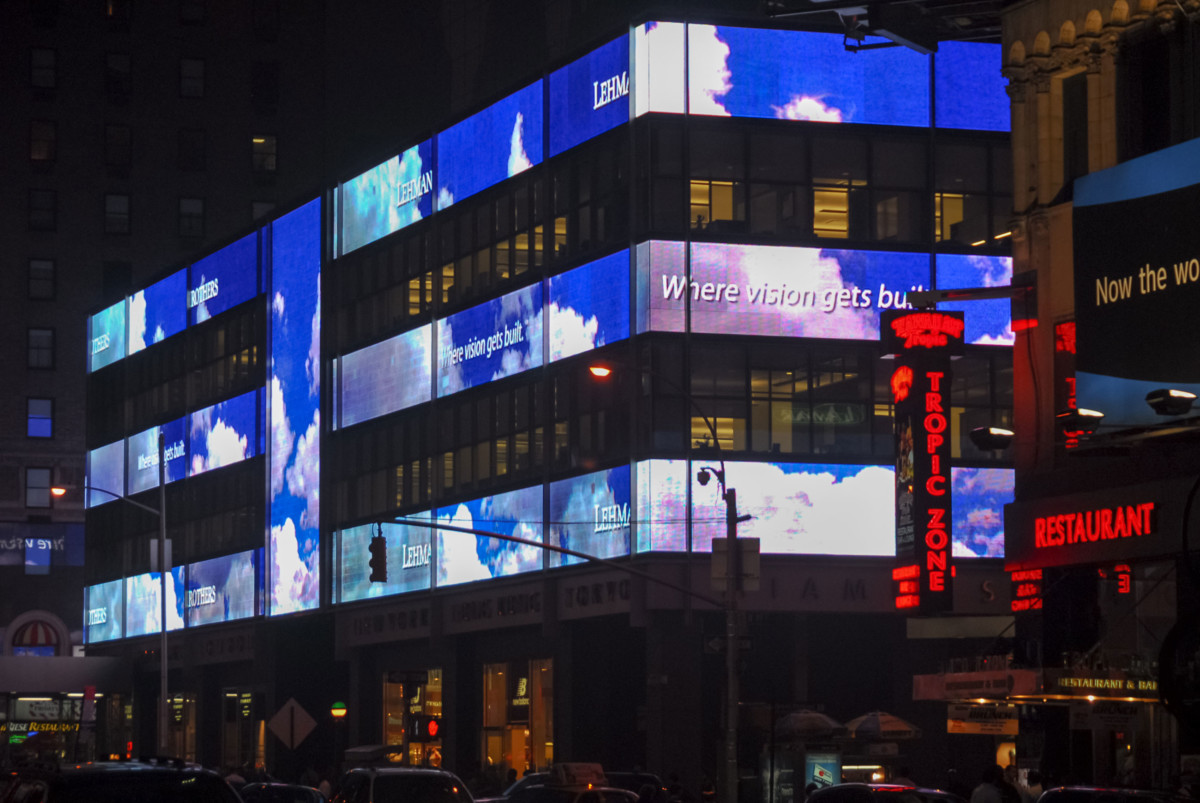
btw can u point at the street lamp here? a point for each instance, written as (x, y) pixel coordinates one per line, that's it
(164, 568)
(733, 571)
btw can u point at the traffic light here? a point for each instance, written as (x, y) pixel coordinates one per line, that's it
(423, 728)
(378, 561)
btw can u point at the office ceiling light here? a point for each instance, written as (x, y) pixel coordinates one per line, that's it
(1169, 401)
(1080, 421)
(991, 439)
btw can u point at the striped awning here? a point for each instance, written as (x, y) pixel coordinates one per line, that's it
(35, 633)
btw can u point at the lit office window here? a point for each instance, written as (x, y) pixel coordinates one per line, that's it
(264, 153)
(39, 418)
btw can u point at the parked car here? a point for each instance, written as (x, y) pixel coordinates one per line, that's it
(881, 793)
(280, 793)
(632, 781)
(401, 785)
(1095, 794)
(571, 783)
(143, 781)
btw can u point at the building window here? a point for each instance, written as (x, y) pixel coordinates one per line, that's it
(39, 418)
(264, 86)
(266, 20)
(264, 153)
(43, 210)
(118, 146)
(259, 209)
(41, 279)
(191, 217)
(37, 487)
(191, 149)
(518, 722)
(191, 78)
(43, 137)
(43, 70)
(116, 213)
(41, 348)
(1075, 131)
(192, 12)
(118, 77)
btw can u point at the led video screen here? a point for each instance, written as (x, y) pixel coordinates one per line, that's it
(969, 88)
(499, 338)
(660, 63)
(382, 378)
(104, 612)
(463, 558)
(294, 407)
(106, 336)
(797, 75)
(38, 554)
(590, 514)
(777, 291)
(588, 307)
(988, 321)
(661, 525)
(657, 259)
(158, 311)
(141, 459)
(409, 560)
(224, 433)
(589, 96)
(501, 141)
(105, 474)
(143, 613)
(387, 197)
(224, 279)
(224, 589)
(977, 505)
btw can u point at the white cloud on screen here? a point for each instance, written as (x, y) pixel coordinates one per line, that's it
(514, 507)
(142, 595)
(458, 562)
(570, 332)
(312, 363)
(709, 76)
(201, 308)
(282, 437)
(802, 107)
(445, 198)
(518, 161)
(518, 358)
(278, 306)
(577, 522)
(159, 334)
(224, 446)
(137, 322)
(304, 475)
(295, 579)
(1004, 338)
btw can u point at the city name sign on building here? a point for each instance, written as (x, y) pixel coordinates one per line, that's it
(922, 343)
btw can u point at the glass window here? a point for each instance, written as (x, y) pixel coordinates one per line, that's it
(118, 77)
(191, 149)
(263, 149)
(41, 278)
(43, 70)
(191, 217)
(39, 418)
(41, 348)
(43, 210)
(116, 213)
(118, 146)
(264, 86)
(43, 139)
(37, 487)
(191, 78)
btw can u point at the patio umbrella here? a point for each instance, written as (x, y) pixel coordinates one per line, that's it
(808, 724)
(881, 725)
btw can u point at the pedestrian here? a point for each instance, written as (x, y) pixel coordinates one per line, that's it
(987, 791)
(1035, 785)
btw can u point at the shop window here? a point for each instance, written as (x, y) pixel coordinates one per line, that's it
(518, 725)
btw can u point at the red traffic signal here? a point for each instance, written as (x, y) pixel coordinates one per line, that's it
(422, 728)
(378, 561)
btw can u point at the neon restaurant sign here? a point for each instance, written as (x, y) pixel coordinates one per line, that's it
(922, 343)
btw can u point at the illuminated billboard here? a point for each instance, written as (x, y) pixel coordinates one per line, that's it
(588, 307)
(224, 589)
(105, 476)
(977, 508)
(589, 96)
(224, 433)
(661, 523)
(463, 558)
(106, 336)
(499, 142)
(158, 311)
(778, 291)
(989, 321)
(141, 456)
(223, 280)
(382, 378)
(590, 514)
(143, 614)
(799, 75)
(104, 612)
(387, 197)
(970, 90)
(293, 573)
(409, 560)
(660, 66)
(498, 338)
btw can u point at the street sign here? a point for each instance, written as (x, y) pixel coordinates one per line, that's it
(750, 563)
(291, 724)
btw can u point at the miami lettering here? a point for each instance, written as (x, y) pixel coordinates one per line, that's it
(609, 90)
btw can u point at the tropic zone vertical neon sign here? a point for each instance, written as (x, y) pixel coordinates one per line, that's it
(922, 342)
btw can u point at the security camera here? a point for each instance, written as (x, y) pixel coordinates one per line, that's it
(703, 476)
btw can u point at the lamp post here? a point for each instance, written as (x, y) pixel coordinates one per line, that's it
(732, 578)
(161, 511)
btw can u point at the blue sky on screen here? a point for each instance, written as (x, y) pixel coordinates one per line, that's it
(295, 417)
(988, 322)
(142, 603)
(661, 521)
(498, 338)
(971, 91)
(501, 141)
(224, 589)
(797, 75)
(104, 611)
(223, 280)
(977, 510)
(588, 307)
(590, 514)
(384, 377)
(105, 471)
(106, 336)
(388, 197)
(141, 459)
(38, 552)
(463, 558)
(223, 434)
(589, 96)
(409, 560)
(158, 311)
